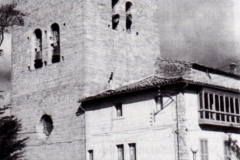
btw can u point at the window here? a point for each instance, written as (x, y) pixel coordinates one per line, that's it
(119, 109)
(128, 22)
(159, 103)
(90, 152)
(219, 107)
(128, 6)
(115, 21)
(55, 44)
(132, 151)
(227, 154)
(114, 2)
(38, 49)
(204, 149)
(120, 152)
(47, 124)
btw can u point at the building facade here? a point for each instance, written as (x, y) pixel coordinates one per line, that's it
(70, 49)
(185, 111)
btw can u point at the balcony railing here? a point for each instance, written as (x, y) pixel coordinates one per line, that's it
(219, 108)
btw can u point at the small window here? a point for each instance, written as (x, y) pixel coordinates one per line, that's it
(90, 152)
(38, 49)
(114, 2)
(47, 124)
(132, 151)
(119, 109)
(204, 149)
(128, 22)
(128, 6)
(115, 21)
(120, 152)
(159, 103)
(55, 44)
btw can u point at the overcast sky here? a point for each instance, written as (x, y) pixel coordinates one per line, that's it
(5, 66)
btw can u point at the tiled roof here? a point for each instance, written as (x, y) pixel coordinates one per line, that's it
(151, 82)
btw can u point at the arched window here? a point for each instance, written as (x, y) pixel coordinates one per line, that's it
(115, 21)
(128, 6)
(55, 31)
(47, 124)
(128, 16)
(38, 48)
(114, 2)
(128, 22)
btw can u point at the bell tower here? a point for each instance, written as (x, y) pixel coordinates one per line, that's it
(67, 50)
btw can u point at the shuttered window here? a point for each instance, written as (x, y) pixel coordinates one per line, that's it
(132, 151)
(204, 149)
(120, 152)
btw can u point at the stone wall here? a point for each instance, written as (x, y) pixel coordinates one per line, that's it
(90, 51)
(172, 69)
(130, 55)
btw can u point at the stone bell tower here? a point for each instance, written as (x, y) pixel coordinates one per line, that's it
(67, 50)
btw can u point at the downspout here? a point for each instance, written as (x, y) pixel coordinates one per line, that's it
(177, 131)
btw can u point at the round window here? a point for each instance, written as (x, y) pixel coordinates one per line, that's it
(47, 124)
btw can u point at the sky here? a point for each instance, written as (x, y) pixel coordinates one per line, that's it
(202, 31)
(5, 66)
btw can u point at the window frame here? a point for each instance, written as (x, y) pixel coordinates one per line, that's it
(135, 151)
(119, 109)
(91, 154)
(120, 146)
(204, 150)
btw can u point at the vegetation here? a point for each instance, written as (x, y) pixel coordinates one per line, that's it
(9, 16)
(11, 146)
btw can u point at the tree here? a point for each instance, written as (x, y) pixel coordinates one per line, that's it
(9, 16)
(11, 147)
(232, 150)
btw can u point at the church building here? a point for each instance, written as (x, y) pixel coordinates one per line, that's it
(75, 49)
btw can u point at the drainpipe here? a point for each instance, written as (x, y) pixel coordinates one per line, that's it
(177, 131)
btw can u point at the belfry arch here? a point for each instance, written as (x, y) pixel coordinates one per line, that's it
(55, 42)
(38, 49)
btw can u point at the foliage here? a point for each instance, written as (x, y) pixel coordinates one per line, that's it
(11, 147)
(232, 149)
(9, 16)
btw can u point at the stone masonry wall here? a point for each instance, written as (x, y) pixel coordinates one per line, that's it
(171, 69)
(91, 50)
(53, 89)
(129, 55)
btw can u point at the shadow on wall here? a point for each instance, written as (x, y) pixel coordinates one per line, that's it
(220, 129)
